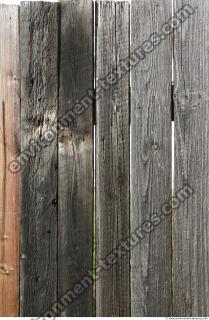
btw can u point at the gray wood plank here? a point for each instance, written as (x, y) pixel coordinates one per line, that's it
(75, 256)
(112, 158)
(151, 160)
(9, 149)
(39, 107)
(191, 219)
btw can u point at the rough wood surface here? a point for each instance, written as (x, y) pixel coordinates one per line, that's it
(151, 161)
(191, 220)
(75, 234)
(112, 158)
(39, 93)
(9, 148)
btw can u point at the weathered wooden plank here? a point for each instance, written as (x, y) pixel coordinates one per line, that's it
(75, 256)
(150, 158)
(39, 107)
(9, 146)
(191, 219)
(112, 157)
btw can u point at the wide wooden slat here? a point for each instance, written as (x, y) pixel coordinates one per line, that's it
(39, 107)
(75, 234)
(9, 148)
(191, 219)
(150, 160)
(112, 158)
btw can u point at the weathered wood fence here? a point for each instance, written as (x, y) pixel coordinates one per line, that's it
(88, 92)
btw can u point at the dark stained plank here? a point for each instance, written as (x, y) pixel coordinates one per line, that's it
(112, 158)
(39, 108)
(191, 219)
(75, 234)
(151, 160)
(9, 148)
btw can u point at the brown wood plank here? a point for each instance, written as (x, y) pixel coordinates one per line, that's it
(150, 159)
(112, 158)
(9, 146)
(75, 234)
(191, 219)
(39, 108)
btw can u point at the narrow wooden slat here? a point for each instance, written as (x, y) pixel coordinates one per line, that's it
(150, 160)
(191, 219)
(39, 107)
(75, 234)
(9, 146)
(112, 158)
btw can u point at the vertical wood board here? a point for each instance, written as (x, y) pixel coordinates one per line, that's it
(191, 218)
(9, 149)
(151, 293)
(39, 108)
(112, 157)
(75, 233)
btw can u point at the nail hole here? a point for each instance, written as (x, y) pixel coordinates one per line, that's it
(154, 147)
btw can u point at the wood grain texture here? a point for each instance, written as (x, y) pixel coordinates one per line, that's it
(9, 148)
(39, 108)
(112, 157)
(75, 257)
(191, 220)
(151, 160)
